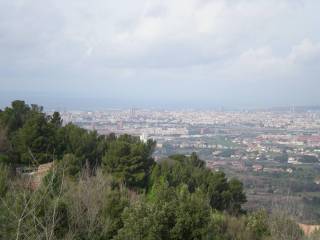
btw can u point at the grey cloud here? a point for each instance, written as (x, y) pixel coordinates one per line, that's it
(214, 50)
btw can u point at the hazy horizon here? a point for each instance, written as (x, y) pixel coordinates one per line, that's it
(96, 104)
(162, 54)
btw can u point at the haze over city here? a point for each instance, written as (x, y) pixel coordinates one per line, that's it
(160, 119)
(194, 53)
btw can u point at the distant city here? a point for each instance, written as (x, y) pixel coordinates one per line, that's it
(274, 152)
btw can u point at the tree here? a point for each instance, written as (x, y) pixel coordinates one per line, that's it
(129, 160)
(309, 159)
(221, 193)
(56, 120)
(122, 194)
(15, 116)
(173, 214)
(258, 224)
(238, 196)
(284, 228)
(4, 146)
(196, 161)
(137, 222)
(192, 215)
(115, 203)
(4, 142)
(86, 146)
(71, 164)
(4, 178)
(26, 133)
(35, 141)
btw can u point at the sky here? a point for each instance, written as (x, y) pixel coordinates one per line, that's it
(160, 53)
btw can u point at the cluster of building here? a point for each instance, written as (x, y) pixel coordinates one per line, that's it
(255, 137)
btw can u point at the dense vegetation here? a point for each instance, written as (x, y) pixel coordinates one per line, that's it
(109, 187)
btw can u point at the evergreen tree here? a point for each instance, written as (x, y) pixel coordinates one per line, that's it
(129, 160)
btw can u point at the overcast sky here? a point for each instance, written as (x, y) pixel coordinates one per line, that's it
(200, 53)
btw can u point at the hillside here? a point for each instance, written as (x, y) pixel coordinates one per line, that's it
(109, 187)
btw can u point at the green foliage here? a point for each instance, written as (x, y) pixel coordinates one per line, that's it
(222, 194)
(115, 203)
(193, 160)
(283, 158)
(29, 136)
(258, 224)
(52, 182)
(192, 215)
(109, 187)
(4, 159)
(71, 165)
(94, 207)
(237, 196)
(283, 228)
(29, 133)
(83, 144)
(308, 159)
(56, 120)
(29, 214)
(35, 142)
(129, 160)
(4, 142)
(196, 161)
(174, 214)
(15, 116)
(136, 222)
(4, 179)
(226, 153)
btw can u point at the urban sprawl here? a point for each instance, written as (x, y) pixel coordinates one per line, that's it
(275, 153)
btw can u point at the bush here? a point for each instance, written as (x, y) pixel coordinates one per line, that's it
(282, 227)
(4, 179)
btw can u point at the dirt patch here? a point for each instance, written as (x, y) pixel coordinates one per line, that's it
(309, 229)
